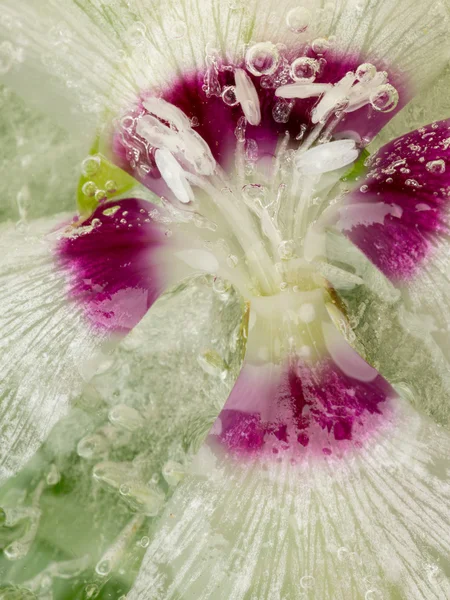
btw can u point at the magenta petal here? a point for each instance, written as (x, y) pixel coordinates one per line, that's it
(291, 408)
(111, 264)
(398, 214)
(219, 122)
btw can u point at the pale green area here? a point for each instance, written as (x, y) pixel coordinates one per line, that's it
(159, 370)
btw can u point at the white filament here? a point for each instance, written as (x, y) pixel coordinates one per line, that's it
(333, 98)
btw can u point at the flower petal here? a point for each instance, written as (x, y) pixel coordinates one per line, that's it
(104, 53)
(342, 528)
(69, 292)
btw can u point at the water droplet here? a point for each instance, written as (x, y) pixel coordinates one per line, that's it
(298, 19)
(384, 98)
(100, 195)
(286, 249)
(90, 166)
(436, 166)
(6, 57)
(229, 96)
(282, 110)
(262, 59)
(320, 45)
(145, 541)
(307, 582)
(304, 69)
(365, 72)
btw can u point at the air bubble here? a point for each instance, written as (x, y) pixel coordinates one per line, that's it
(251, 150)
(412, 183)
(384, 98)
(91, 591)
(89, 189)
(436, 166)
(178, 30)
(109, 212)
(103, 568)
(304, 69)
(229, 96)
(111, 187)
(221, 286)
(342, 554)
(307, 582)
(53, 476)
(100, 195)
(364, 188)
(365, 72)
(90, 166)
(173, 472)
(282, 110)
(286, 249)
(92, 446)
(145, 541)
(298, 19)
(232, 261)
(262, 59)
(320, 45)
(124, 489)
(136, 34)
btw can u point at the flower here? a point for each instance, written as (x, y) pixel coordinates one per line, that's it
(276, 426)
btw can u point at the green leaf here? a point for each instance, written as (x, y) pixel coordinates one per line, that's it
(100, 180)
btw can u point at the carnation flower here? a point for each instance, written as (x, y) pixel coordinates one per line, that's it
(223, 303)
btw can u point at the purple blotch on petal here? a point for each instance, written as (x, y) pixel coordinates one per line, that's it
(295, 407)
(411, 176)
(110, 260)
(216, 122)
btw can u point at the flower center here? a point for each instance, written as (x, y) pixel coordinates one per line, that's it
(256, 148)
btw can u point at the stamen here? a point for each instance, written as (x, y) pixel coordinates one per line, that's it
(327, 157)
(173, 175)
(302, 90)
(247, 96)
